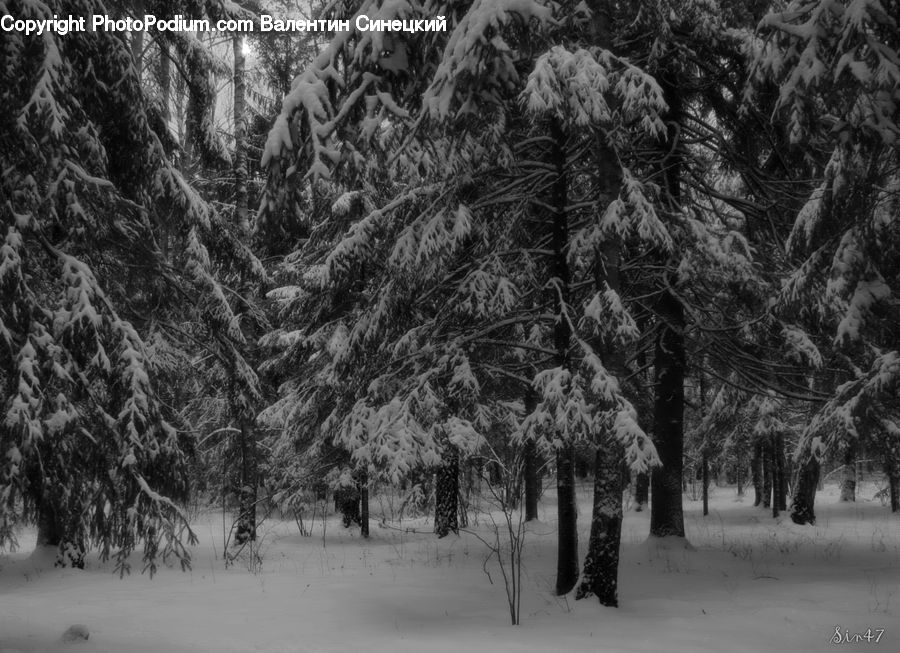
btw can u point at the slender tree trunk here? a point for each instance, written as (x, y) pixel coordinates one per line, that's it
(739, 474)
(804, 499)
(532, 480)
(782, 471)
(247, 492)
(240, 149)
(705, 473)
(446, 505)
(666, 510)
(767, 460)
(848, 474)
(756, 470)
(892, 469)
(363, 485)
(777, 476)
(137, 42)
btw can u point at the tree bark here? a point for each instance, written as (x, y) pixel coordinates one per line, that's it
(803, 503)
(767, 475)
(567, 535)
(240, 149)
(364, 504)
(601, 564)
(446, 504)
(666, 510)
(893, 473)
(532, 481)
(756, 470)
(848, 474)
(705, 481)
(247, 492)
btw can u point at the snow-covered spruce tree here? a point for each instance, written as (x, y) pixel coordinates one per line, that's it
(95, 296)
(471, 281)
(87, 451)
(836, 68)
(700, 257)
(218, 328)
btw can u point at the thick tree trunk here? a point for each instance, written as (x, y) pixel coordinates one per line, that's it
(666, 510)
(567, 550)
(446, 504)
(848, 474)
(532, 481)
(601, 564)
(803, 503)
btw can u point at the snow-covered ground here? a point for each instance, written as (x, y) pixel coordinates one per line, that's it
(750, 583)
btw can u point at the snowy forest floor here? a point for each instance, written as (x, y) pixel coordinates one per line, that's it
(749, 583)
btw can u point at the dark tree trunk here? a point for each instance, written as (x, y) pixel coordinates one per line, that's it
(601, 564)
(567, 553)
(641, 490)
(779, 478)
(804, 500)
(567, 533)
(848, 474)
(705, 481)
(756, 467)
(893, 474)
(767, 464)
(247, 497)
(739, 474)
(49, 533)
(446, 504)
(666, 510)
(532, 481)
(240, 149)
(363, 486)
